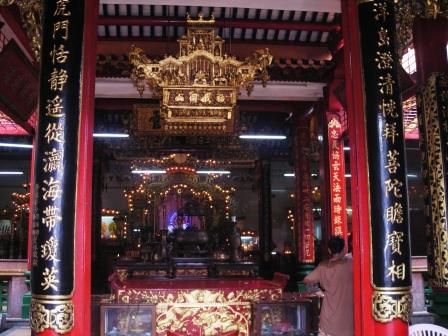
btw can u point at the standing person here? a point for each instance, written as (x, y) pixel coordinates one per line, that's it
(335, 277)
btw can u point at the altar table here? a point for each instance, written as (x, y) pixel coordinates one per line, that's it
(206, 307)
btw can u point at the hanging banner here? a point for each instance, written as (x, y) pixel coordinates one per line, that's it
(338, 204)
(55, 170)
(389, 225)
(304, 205)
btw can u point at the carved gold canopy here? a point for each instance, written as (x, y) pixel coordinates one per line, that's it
(199, 88)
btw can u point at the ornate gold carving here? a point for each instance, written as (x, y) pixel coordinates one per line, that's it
(214, 312)
(211, 319)
(57, 315)
(198, 89)
(201, 62)
(211, 312)
(196, 296)
(38, 317)
(436, 182)
(31, 13)
(200, 20)
(387, 306)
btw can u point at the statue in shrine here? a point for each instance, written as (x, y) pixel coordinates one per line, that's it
(160, 253)
(235, 243)
(220, 253)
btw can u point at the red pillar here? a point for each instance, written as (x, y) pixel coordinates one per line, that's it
(363, 320)
(30, 218)
(62, 192)
(324, 173)
(304, 224)
(364, 214)
(81, 295)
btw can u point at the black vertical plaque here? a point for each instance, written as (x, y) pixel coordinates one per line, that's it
(389, 219)
(384, 134)
(55, 169)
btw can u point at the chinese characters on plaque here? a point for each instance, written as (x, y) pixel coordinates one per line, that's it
(304, 205)
(188, 109)
(337, 178)
(391, 276)
(56, 167)
(51, 147)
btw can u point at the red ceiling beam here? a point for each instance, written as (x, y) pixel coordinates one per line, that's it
(12, 18)
(234, 23)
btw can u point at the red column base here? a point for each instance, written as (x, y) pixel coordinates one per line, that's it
(395, 328)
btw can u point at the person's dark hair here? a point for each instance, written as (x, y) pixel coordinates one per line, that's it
(335, 244)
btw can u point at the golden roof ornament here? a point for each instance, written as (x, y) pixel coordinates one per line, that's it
(200, 20)
(199, 87)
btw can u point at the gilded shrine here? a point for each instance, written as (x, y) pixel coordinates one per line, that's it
(199, 89)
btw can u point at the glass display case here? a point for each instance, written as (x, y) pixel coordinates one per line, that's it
(284, 318)
(128, 320)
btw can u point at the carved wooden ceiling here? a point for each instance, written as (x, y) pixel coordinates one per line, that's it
(246, 25)
(302, 35)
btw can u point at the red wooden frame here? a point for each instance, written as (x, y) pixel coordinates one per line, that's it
(81, 298)
(364, 324)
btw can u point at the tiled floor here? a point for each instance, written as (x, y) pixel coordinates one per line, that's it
(17, 331)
